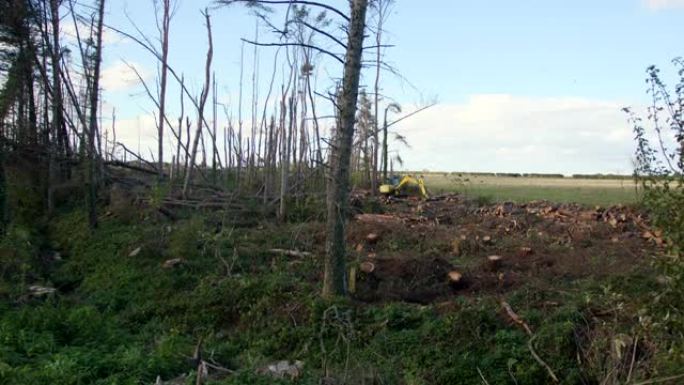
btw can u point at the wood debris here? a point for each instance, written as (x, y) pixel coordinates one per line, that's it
(372, 238)
(40, 291)
(367, 267)
(291, 253)
(283, 369)
(379, 218)
(170, 263)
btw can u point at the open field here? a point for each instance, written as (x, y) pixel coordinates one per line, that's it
(521, 189)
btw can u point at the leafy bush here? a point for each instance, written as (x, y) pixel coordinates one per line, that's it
(660, 169)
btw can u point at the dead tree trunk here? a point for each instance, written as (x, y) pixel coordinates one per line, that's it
(93, 131)
(166, 18)
(200, 112)
(340, 153)
(180, 129)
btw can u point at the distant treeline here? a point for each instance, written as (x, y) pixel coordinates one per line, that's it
(602, 176)
(524, 175)
(509, 174)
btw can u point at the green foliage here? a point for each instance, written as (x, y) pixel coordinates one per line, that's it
(122, 318)
(20, 259)
(660, 168)
(307, 209)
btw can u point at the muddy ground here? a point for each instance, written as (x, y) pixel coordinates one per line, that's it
(413, 245)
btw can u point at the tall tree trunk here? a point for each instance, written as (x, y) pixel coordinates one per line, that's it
(334, 282)
(240, 122)
(284, 157)
(384, 149)
(58, 126)
(92, 131)
(214, 158)
(166, 18)
(376, 104)
(200, 112)
(180, 128)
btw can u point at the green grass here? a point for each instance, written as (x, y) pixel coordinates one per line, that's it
(602, 192)
(124, 320)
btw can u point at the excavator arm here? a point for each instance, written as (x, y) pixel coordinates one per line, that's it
(407, 180)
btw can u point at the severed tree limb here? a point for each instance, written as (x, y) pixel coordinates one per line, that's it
(516, 318)
(152, 165)
(659, 380)
(484, 380)
(540, 361)
(118, 163)
(410, 114)
(291, 253)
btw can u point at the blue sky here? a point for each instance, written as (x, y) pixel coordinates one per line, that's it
(527, 86)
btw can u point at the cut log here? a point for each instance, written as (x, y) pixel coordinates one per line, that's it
(372, 238)
(487, 240)
(494, 262)
(378, 218)
(525, 251)
(352, 280)
(456, 248)
(456, 280)
(172, 263)
(291, 253)
(367, 267)
(40, 291)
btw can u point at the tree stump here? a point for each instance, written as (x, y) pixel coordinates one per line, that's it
(494, 262)
(367, 267)
(456, 280)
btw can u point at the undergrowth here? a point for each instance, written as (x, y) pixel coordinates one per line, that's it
(120, 317)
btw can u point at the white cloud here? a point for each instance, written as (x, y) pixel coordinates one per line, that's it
(509, 133)
(664, 4)
(120, 76)
(109, 37)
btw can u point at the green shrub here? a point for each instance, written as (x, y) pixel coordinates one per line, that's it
(660, 168)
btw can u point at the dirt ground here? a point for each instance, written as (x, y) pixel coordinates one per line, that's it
(414, 245)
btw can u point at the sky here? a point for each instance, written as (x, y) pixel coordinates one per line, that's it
(521, 86)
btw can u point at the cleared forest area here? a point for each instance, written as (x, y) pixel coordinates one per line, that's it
(279, 243)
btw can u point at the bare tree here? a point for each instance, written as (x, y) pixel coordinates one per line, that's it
(396, 108)
(341, 146)
(382, 10)
(164, 32)
(93, 128)
(202, 103)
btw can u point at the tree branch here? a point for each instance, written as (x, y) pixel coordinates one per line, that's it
(303, 2)
(410, 115)
(296, 45)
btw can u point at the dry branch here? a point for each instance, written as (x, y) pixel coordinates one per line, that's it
(516, 318)
(291, 253)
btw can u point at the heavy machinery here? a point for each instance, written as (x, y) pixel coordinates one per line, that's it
(401, 187)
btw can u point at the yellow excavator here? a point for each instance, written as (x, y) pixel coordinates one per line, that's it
(398, 187)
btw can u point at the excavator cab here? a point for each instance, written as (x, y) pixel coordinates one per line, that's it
(404, 186)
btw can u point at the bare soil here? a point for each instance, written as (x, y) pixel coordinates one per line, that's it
(414, 244)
